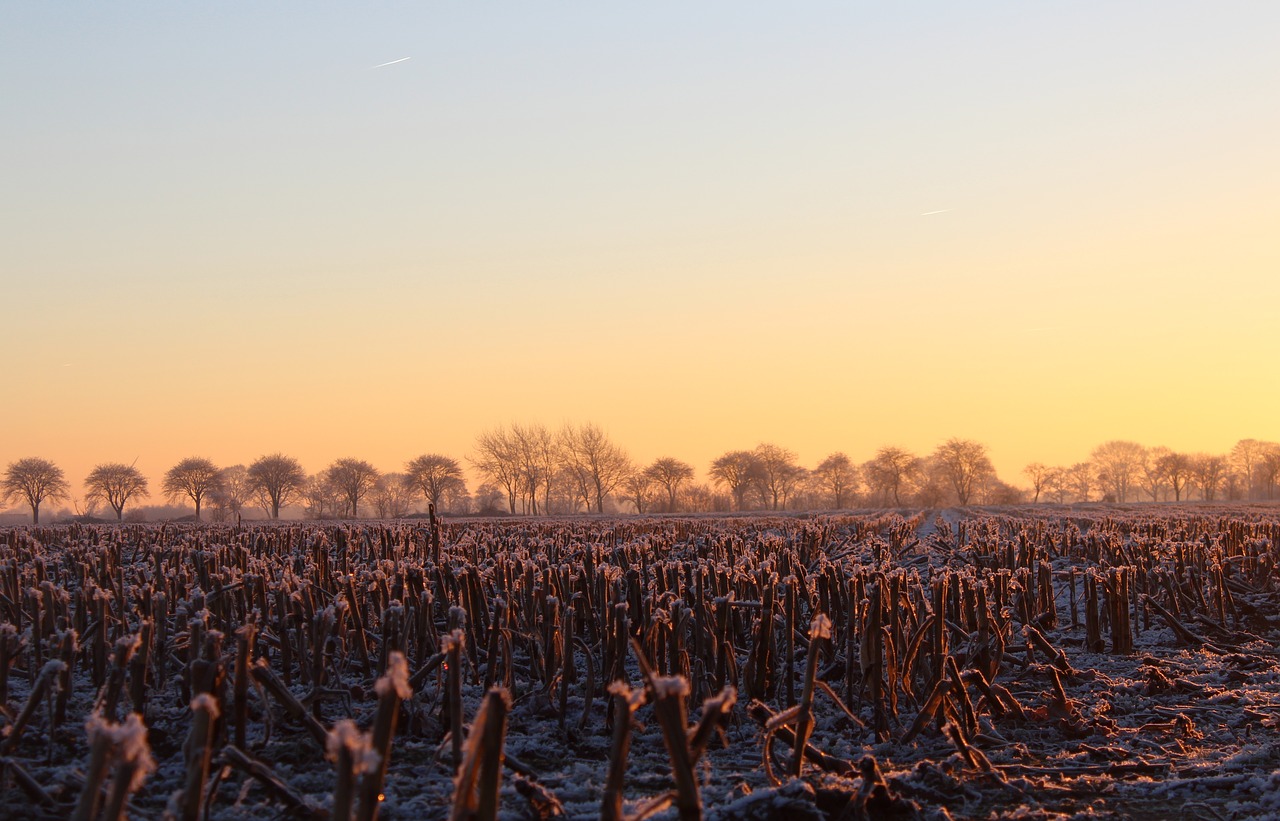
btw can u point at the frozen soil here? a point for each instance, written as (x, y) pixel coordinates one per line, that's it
(1173, 729)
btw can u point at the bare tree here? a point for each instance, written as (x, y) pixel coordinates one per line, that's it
(1082, 477)
(1118, 465)
(965, 465)
(193, 477)
(320, 498)
(1057, 485)
(33, 481)
(115, 484)
(638, 489)
(1177, 470)
(738, 471)
(1269, 468)
(1152, 477)
(498, 459)
(276, 480)
(393, 495)
(233, 492)
(1209, 470)
(779, 473)
(837, 476)
(669, 473)
(889, 471)
(588, 455)
(1039, 474)
(353, 479)
(434, 476)
(539, 457)
(1247, 457)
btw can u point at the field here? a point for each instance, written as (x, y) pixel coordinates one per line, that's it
(1018, 663)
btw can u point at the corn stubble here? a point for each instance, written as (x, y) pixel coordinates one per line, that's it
(856, 641)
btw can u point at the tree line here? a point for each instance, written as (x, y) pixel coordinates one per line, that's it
(533, 470)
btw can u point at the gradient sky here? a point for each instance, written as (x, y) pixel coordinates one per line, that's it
(833, 226)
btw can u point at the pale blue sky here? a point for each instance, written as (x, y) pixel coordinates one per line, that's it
(629, 213)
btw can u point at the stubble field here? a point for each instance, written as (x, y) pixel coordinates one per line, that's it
(1020, 663)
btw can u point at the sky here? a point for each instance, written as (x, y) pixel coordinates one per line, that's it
(342, 230)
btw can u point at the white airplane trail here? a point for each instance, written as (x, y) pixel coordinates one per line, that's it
(392, 63)
(931, 213)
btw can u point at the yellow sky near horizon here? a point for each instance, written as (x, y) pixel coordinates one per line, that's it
(1042, 228)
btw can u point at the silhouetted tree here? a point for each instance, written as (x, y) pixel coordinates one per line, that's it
(33, 481)
(195, 478)
(779, 473)
(837, 476)
(1152, 477)
(320, 498)
(233, 492)
(965, 465)
(889, 471)
(669, 473)
(738, 471)
(1176, 469)
(498, 459)
(276, 480)
(1209, 470)
(595, 462)
(393, 495)
(1039, 474)
(434, 476)
(638, 489)
(115, 484)
(1118, 464)
(1269, 468)
(352, 479)
(1057, 485)
(1082, 478)
(1247, 457)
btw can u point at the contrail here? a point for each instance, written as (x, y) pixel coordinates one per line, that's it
(925, 214)
(392, 63)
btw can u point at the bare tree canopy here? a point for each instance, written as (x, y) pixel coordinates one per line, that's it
(352, 479)
(597, 463)
(1040, 476)
(779, 474)
(965, 465)
(737, 470)
(276, 480)
(33, 481)
(669, 473)
(1118, 464)
(498, 460)
(889, 471)
(195, 478)
(1209, 470)
(1176, 469)
(638, 489)
(837, 477)
(392, 496)
(232, 493)
(435, 476)
(115, 484)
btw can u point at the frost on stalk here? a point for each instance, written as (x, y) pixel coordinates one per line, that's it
(207, 703)
(820, 628)
(52, 668)
(131, 741)
(670, 687)
(345, 735)
(396, 678)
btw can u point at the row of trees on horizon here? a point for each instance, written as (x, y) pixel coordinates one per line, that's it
(533, 470)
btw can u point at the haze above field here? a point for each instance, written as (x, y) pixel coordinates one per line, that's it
(375, 232)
